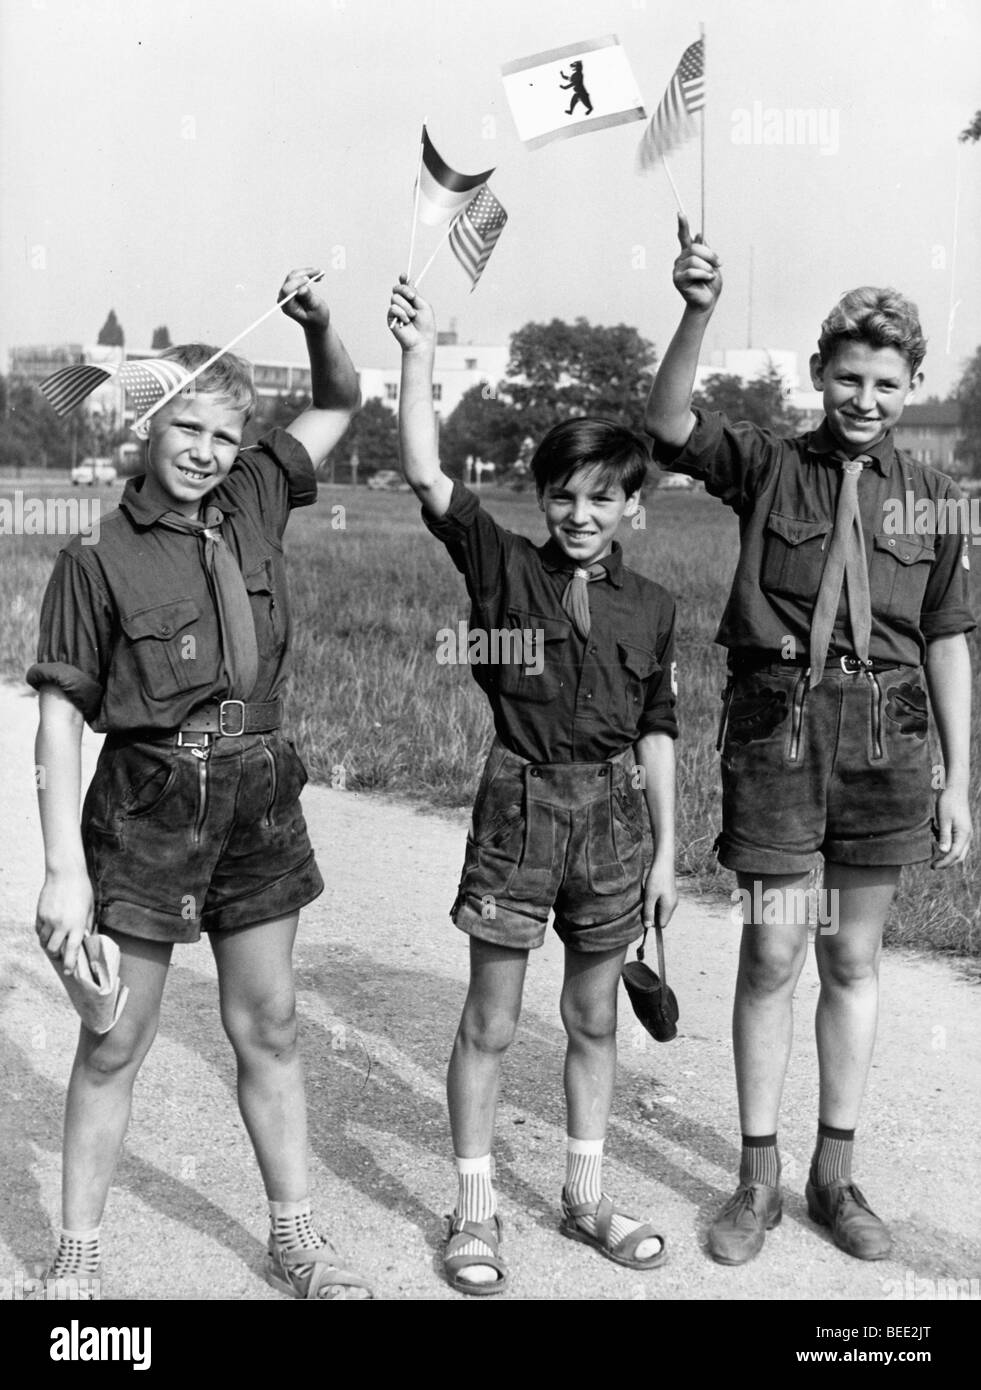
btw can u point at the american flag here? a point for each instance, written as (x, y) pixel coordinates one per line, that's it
(474, 234)
(144, 382)
(673, 122)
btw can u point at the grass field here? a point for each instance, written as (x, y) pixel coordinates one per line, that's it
(373, 710)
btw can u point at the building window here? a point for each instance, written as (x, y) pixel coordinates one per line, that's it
(391, 391)
(437, 390)
(470, 363)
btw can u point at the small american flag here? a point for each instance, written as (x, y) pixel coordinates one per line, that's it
(145, 382)
(673, 122)
(474, 234)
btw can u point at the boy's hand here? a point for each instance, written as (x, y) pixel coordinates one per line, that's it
(953, 829)
(697, 270)
(660, 896)
(307, 308)
(65, 912)
(410, 317)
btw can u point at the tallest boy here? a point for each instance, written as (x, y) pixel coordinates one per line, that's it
(829, 619)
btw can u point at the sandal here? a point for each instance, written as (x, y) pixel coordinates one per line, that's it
(280, 1266)
(623, 1253)
(461, 1233)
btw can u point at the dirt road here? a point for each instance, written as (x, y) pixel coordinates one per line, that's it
(381, 974)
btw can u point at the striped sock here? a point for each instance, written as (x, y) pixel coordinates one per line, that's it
(832, 1161)
(475, 1201)
(79, 1252)
(584, 1187)
(760, 1161)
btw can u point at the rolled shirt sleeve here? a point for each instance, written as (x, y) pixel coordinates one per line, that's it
(75, 634)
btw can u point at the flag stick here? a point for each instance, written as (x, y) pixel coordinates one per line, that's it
(176, 390)
(952, 305)
(674, 188)
(439, 245)
(415, 210)
(701, 29)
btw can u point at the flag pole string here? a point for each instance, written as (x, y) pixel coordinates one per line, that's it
(183, 385)
(439, 246)
(701, 28)
(674, 187)
(415, 208)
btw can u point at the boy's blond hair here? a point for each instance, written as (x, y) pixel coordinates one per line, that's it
(879, 317)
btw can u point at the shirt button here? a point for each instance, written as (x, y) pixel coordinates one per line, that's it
(589, 694)
(892, 542)
(165, 629)
(535, 772)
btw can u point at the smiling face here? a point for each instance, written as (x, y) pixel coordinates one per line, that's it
(865, 389)
(582, 513)
(192, 445)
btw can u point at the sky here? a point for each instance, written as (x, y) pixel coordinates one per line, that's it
(173, 159)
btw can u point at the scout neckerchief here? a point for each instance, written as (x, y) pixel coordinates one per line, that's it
(238, 641)
(575, 598)
(845, 562)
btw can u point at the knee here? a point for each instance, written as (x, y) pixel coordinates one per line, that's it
(488, 1030)
(842, 968)
(768, 965)
(114, 1053)
(592, 1024)
(268, 1028)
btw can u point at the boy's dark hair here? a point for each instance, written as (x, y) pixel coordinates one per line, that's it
(230, 377)
(879, 317)
(587, 442)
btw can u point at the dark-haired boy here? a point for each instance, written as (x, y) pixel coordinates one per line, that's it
(171, 637)
(832, 617)
(558, 819)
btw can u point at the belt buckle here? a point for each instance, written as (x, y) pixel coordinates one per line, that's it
(199, 737)
(231, 733)
(851, 665)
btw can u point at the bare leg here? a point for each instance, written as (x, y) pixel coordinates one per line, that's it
(100, 1090)
(258, 1011)
(771, 956)
(487, 1026)
(848, 965)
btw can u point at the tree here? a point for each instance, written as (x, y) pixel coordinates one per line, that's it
(968, 396)
(973, 130)
(482, 425)
(161, 338)
(761, 401)
(559, 370)
(32, 435)
(111, 332)
(374, 436)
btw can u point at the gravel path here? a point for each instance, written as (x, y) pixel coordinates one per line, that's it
(381, 975)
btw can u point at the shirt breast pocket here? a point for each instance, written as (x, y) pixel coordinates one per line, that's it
(164, 648)
(793, 555)
(532, 656)
(637, 665)
(267, 612)
(898, 574)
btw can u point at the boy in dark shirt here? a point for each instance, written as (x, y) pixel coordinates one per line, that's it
(834, 613)
(171, 636)
(585, 688)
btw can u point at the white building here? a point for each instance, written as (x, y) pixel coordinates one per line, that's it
(457, 367)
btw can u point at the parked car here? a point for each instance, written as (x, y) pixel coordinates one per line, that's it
(92, 471)
(388, 480)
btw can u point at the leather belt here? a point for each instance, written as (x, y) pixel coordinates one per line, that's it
(232, 718)
(755, 661)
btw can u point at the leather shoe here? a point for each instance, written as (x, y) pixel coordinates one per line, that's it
(739, 1230)
(855, 1228)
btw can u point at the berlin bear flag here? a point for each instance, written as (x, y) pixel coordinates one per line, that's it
(571, 91)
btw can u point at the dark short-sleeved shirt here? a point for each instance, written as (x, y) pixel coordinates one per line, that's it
(785, 492)
(129, 625)
(593, 697)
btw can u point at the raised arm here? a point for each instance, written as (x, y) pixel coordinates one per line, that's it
(698, 279)
(333, 380)
(65, 907)
(414, 328)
